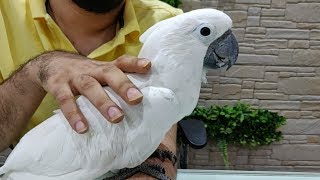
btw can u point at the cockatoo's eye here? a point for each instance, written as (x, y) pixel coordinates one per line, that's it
(205, 31)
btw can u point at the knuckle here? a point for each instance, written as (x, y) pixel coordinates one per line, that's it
(103, 103)
(123, 86)
(87, 82)
(72, 115)
(109, 68)
(54, 81)
(100, 104)
(124, 57)
(124, 60)
(63, 96)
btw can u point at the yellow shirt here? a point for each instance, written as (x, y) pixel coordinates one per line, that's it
(26, 30)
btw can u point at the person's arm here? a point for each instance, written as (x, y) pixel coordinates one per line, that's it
(168, 143)
(20, 97)
(65, 75)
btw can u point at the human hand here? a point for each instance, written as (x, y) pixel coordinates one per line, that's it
(66, 75)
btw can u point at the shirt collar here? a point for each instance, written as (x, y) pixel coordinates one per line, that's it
(130, 19)
(130, 28)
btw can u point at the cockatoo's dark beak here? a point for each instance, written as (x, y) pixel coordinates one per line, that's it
(222, 52)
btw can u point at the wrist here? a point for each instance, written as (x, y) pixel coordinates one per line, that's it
(31, 74)
(42, 67)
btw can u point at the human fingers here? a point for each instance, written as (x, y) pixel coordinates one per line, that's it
(69, 108)
(91, 88)
(112, 76)
(132, 64)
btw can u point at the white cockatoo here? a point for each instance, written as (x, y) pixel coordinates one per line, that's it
(180, 49)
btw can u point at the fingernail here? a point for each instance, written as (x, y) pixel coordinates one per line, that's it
(115, 114)
(143, 63)
(80, 127)
(134, 95)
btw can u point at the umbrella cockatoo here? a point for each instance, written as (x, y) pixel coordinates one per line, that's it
(180, 49)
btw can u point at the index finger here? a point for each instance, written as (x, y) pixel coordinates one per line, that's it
(70, 110)
(90, 87)
(131, 64)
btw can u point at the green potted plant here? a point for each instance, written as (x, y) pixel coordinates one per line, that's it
(240, 125)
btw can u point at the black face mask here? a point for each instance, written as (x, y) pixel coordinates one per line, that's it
(98, 6)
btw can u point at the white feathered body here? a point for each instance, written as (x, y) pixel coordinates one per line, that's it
(52, 150)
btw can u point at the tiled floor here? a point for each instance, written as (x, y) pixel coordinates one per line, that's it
(3, 156)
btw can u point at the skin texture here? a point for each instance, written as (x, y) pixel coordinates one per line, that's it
(65, 75)
(73, 21)
(169, 143)
(20, 97)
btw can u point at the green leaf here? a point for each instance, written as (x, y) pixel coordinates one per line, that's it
(240, 124)
(241, 117)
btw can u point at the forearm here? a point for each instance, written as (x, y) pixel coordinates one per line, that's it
(168, 143)
(20, 97)
(170, 140)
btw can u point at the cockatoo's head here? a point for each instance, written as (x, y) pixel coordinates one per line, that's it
(205, 32)
(213, 28)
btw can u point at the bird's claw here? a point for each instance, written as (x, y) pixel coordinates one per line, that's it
(156, 171)
(164, 154)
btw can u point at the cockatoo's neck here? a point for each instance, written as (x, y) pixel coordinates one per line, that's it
(176, 66)
(187, 75)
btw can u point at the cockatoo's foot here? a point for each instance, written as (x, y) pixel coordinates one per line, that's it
(154, 170)
(164, 154)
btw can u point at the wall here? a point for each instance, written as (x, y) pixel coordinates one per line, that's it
(278, 69)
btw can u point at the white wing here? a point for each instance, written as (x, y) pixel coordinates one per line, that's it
(46, 150)
(160, 111)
